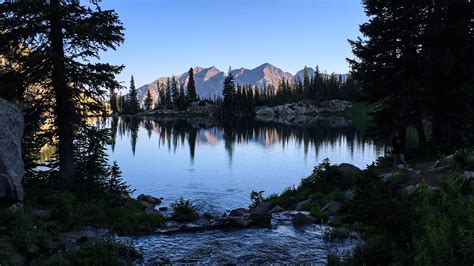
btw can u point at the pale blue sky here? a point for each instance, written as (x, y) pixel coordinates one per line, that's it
(165, 37)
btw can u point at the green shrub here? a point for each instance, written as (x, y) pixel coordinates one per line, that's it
(131, 218)
(184, 211)
(336, 234)
(398, 178)
(256, 198)
(107, 252)
(464, 158)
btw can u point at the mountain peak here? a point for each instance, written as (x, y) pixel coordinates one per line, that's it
(209, 81)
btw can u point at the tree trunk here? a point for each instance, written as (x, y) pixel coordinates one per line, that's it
(64, 103)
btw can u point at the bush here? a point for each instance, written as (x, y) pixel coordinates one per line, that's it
(184, 211)
(256, 198)
(464, 158)
(107, 252)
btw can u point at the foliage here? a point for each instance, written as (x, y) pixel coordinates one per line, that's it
(191, 90)
(184, 210)
(464, 158)
(412, 74)
(133, 104)
(256, 198)
(51, 48)
(105, 252)
(148, 101)
(326, 177)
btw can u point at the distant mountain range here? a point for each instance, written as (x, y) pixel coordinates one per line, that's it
(209, 81)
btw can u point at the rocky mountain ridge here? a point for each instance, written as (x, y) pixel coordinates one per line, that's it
(209, 80)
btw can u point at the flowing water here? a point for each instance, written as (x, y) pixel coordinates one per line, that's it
(217, 166)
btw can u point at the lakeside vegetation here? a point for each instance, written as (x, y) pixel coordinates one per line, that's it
(398, 223)
(406, 71)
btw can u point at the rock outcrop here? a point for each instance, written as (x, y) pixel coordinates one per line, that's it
(305, 112)
(11, 163)
(301, 219)
(348, 169)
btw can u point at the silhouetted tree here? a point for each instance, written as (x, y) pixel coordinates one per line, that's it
(52, 42)
(134, 105)
(148, 101)
(191, 90)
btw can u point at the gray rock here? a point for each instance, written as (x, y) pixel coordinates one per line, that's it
(149, 199)
(332, 207)
(468, 176)
(349, 194)
(241, 222)
(147, 205)
(11, 163)
(44, 214)
(301, 219)
(264, 219)
(386, 177)
(238, 212)
(261, 208)
(348, 169)
(300, 205)
(276, 209)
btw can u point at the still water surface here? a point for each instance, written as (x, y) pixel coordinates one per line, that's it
(217, 167)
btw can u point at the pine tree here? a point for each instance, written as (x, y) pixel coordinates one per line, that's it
(65, 72)
(191, 91)
(133, 98)
(228, 94)
(148, 101)
(113, 102)
(174, 90)
(168, 94)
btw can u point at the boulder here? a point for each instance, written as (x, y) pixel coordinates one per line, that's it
(149, 199)
(264, 219)
(239, 222)
(386, 177)
(261, 209)
(333, 207)
(238, 212)
(147, 205)
(348, 169)
(349, 194)
(276, 209)
(468, 176)
(300, 205)
(44, 214)
(301, 219)
(11, 163)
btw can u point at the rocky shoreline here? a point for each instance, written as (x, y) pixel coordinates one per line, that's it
(298, 114)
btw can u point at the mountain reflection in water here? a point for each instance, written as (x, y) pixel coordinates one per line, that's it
(217, 165)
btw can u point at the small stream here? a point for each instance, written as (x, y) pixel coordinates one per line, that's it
(282, 243)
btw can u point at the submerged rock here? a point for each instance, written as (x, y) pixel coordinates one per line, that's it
(11, 163)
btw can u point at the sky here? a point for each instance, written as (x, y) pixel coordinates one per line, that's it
(166, 37)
